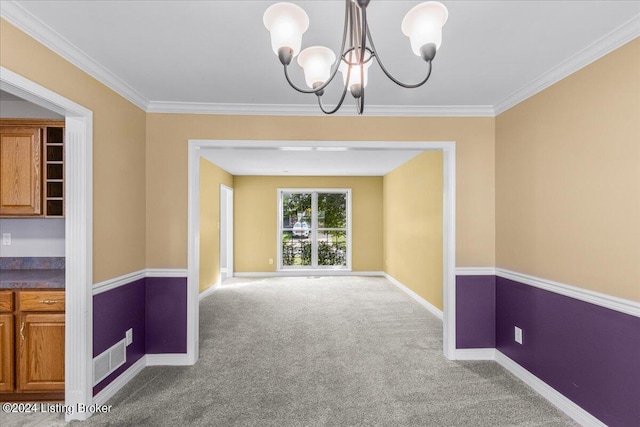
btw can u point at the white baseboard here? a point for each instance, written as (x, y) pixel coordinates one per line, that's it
(552, 395)
(109, 391)
(209, 291)
(475, 354)
(423, 302)
(299, 273)
(116, 385)
(176, 359)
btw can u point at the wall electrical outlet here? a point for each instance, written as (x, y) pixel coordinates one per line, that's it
(6, 239)
(129, 336)
(270, 261)
(518, 335)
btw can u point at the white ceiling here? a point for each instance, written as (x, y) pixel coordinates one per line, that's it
(216, 56)
(302, 159)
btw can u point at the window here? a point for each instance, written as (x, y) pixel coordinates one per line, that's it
(314, 229)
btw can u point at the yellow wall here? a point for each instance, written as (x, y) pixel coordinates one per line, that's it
(413, 225)
(118, 151)
(167, 136)
(256, 210)
(568, 179)
(211, 176)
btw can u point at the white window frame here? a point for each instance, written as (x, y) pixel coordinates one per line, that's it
(314, 229)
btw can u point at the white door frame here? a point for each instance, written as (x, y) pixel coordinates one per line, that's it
(448, 148)
(78, 235)
(226, 223)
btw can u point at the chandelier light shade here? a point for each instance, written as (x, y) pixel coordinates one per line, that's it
(316, 61)
(287, 22)
(423, 25)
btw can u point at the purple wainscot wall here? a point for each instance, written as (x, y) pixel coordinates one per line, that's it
(114, 312)
(166, 315)
(476, 311)
(588, 353)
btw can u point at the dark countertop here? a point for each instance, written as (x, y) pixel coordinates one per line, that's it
(37, 279)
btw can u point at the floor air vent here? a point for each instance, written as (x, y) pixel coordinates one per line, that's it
(108, 361)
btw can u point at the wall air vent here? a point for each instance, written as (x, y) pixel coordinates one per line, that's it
(108, 361)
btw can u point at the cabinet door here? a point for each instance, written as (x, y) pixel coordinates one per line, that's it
(20, 171)
(40, 339)
(6, 352)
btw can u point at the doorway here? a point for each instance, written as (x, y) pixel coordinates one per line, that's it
(78, 235)
(226, 232)
(196, 147)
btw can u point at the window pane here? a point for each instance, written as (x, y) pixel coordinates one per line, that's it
(332, 248)
(295, 250)
(296, 210)
(332, 210)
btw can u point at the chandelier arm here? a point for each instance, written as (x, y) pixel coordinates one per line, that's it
(364, 30)
(388, 74)
(337, 107)
(318, 90)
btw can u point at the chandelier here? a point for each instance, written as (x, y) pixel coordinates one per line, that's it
(287, 22)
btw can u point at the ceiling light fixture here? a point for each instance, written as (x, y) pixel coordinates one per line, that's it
(287, 22)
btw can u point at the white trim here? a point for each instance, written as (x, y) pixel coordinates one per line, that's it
(78, 233)
(168, 359)
(607, 301)
(475, 271)
(552, 395)
(193, 250)
(306, 272)
(116, 282)
(226, 199)
(116, 385)
(423, 302)
(476, 354)
(596, 50)
(210, 290)
(449, 250)
(129, 278)
(166, 272)
(14, 13)
(312, 109)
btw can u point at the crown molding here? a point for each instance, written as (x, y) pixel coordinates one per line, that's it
(41, 32)
(312, 110)
(596, 50)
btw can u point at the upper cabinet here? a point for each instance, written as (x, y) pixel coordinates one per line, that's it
(20, 171)
(31, 168)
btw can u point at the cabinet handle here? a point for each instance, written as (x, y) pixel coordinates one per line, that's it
(21, 331)
(49, 301)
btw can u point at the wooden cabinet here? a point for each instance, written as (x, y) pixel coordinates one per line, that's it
(41, 352)
(31, 168)
(32, 328)
(20, 171)
(7, 351)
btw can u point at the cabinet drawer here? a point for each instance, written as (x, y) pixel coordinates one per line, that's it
(6, 301)
(41, 300)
